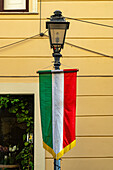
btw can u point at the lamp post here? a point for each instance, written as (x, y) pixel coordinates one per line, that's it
(57, 27)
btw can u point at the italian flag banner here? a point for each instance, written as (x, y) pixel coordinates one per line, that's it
(58, 110)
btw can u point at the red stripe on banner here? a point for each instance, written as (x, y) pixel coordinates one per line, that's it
(69, 108)
(70, 70)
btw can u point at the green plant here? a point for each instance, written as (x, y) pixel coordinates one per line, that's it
(21, 107)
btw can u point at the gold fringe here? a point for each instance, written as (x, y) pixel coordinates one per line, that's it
(62, 152)
(50, 150)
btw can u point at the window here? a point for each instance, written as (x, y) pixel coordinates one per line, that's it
(20, 5)
(14, 5)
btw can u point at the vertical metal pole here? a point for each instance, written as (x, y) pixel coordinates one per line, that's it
(57, 164)
(57, 64)
(57, 60)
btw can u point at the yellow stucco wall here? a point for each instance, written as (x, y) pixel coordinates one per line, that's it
(94, 148)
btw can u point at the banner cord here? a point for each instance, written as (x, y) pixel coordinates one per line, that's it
(45, 67)
(67, 66)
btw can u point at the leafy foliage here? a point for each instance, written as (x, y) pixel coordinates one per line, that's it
(21, 107)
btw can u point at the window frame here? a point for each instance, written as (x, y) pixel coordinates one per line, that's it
(12, 86)
(14, 10)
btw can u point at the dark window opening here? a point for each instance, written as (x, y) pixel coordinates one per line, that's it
(14, 135)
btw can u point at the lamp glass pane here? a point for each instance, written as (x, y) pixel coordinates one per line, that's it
(57, 33)
(57, 36)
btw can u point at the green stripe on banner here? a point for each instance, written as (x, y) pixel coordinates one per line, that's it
(45, 86)
(44, 71)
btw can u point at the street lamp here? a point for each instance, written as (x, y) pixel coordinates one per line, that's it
(57, 27)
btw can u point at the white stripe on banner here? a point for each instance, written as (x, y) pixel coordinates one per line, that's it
(57, 110)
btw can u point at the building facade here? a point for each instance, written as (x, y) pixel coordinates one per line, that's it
(20, 61)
